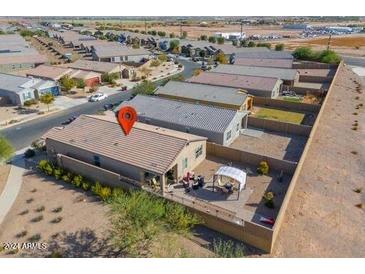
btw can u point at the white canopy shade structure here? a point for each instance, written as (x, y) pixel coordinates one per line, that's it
(234, 174)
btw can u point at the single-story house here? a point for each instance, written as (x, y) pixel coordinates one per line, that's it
(16, 54)
(141, 39)
(19, 89)
(97, 148)
(118, 53)
(46, 72)
(289, 76)
(219, 125)
(225, 97)
(316, 75)
(270, 54)
(55, 73)
(259, 62)
(100, 67)
(257, 86)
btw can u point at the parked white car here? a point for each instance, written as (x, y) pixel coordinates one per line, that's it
(97, 97)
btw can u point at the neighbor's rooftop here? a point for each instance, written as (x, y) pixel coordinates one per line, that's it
(149, 147)
(102, 67)
(275, 63)
(202, 92)
(106, 50)
(236, 81)
(190, 115)
(283, 74)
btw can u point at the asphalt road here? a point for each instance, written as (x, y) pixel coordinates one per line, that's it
(23, 134)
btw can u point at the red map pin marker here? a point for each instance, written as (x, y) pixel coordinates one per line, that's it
(126, 118)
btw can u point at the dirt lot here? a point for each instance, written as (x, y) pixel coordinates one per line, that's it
(76, 234)
(281, 146)
(4, 172)
(322, 219)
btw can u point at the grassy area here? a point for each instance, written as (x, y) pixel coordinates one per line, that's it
(280, 115)
(292, 99)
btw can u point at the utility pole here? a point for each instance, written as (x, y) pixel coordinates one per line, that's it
(145, 25)
(329, 42)
(180, 29)
(241, 29)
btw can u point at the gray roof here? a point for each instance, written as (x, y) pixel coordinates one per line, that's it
(201, 92)
(265, 55)
(117, 50)
(161, 110)
(283, 74)
(12, 82)
(17, 84)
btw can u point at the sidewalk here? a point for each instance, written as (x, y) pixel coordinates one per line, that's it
(13, 184)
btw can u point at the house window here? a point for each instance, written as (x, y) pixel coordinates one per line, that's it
(229, 135)
(199, 151)
(96, 160)
(185, 163)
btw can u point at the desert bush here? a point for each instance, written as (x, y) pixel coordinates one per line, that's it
(21, 234)
(269, 199)
(228, 249)
(179, 218)
(162, 57)
(56, 220)
(57, 209)
(35, 238)
(24, 212)
(263, 168)
(105, 193)
(30, 102)
(67, 177)
(154, 63)
(29, 200)
(40, 209)
(37, 219)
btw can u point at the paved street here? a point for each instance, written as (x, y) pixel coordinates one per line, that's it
(23, 134)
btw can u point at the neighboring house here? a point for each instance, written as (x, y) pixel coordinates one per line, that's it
(17, 54)
(49, 72)
(96, 147)
(289, 76)
(219, 125)
(71, 39)
(131, 38)
(270, 54)
(225, 97)
(56, 73)
(100, 67)
(118, 53)
(257, 62)
(19, 89)
(256, 86)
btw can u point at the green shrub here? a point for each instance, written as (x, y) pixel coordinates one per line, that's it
(40, 209)
(77, 180)
(37, 219)
(21, 234)
(67, 177)
(105, 193)
(179, 218)
(162, 57)
(269, 199)
(228, 249)
(80, 83)
(56, 220)
(57, 209)
(30, 102)
(279, 47)
(58, 173)
(96, 189)
(85, 185)
(35, 238)
(263, 168)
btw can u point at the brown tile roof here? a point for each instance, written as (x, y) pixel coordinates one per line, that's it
(50, 72)
(102, 67)
(275, 63)
(23, 59)
(147, 147)
(236, 81)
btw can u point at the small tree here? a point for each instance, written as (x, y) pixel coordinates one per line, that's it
(220, 40)
(67, 83)
(47, 99)
(203, 37)
(279, 47)
(184, 35)
(212, 39)
(145, 87)
(174, 44)
(235, 43)
(303, 53)
(162, 57)
(221, 58)
(251, 44)
(172, 35)
(80, 83)
(6, 150)
(244, 43)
